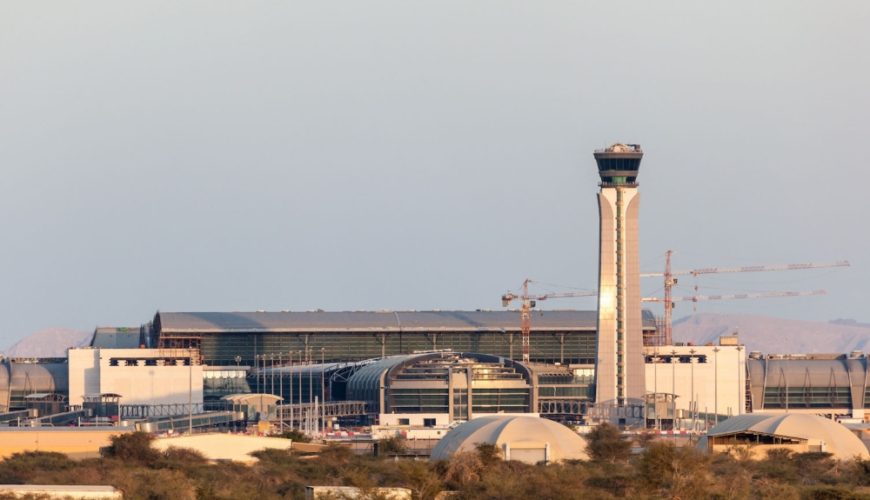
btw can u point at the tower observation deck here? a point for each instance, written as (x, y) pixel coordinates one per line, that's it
(619, 370)
(618, 165)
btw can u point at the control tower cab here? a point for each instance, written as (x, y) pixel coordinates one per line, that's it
(618, 164)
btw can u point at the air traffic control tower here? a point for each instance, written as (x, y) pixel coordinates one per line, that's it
(619, 366)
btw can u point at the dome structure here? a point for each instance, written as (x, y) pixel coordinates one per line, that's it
(797, 432)
(522, 438)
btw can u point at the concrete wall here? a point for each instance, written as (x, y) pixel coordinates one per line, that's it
(91, 371)
(724, 365)
(73, 442)
(217, 446)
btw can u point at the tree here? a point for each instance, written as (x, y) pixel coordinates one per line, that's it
(675, 471)
(132, 447)
(606, 443)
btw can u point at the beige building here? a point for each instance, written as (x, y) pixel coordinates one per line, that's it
(138, 376)
(705, 379)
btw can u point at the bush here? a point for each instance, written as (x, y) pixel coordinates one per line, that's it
(607, 444)
(295, 436)
(675, 472)
(133, 447)
(20, 467)
(392, 446)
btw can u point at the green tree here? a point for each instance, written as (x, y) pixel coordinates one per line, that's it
(679, 472)
(606, 443)
(132, 447)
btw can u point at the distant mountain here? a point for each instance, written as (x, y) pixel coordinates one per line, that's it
(775, 335)
(49, 343)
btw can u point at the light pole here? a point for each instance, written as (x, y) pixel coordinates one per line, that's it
(656, 391)
(290, 355)
(673, 389)
(281, 392)
(692, 403)
(739, 386)
(189, 392)
(300, 388)
(716, 383)
(272, 372)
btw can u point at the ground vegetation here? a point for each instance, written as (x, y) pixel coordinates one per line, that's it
(660, 470)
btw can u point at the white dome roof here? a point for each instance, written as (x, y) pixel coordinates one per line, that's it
(839, 441)
(512, 434)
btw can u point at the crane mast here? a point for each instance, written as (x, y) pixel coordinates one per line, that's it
(670, 281)
(527, 302)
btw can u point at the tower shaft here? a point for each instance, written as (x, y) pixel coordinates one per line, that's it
(619, 370)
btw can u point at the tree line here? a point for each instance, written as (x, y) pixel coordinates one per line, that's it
(661, 470)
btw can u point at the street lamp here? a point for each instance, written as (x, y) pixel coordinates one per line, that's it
(739, 385)
(673, 388)
(716, 383)
(692, 402)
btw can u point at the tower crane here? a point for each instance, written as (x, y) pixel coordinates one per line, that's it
(670, 281)
(527, 302)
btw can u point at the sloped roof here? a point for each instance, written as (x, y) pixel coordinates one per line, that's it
(516, 432)
(377, 321)
(116, 337)
(839, 440)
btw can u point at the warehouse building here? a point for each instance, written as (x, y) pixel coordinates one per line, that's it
(825, 384)
(565, 337)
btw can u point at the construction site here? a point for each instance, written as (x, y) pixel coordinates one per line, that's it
(364, 375)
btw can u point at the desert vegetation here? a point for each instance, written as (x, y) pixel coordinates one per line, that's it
(660, 471)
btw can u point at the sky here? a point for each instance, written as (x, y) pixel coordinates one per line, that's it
(228, 156)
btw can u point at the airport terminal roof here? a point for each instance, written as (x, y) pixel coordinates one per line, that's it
(375, 321)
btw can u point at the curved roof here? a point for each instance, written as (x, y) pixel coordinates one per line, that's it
(376, 321)
(839, 441)
(517, 432)
(38, 377)
(364, 384)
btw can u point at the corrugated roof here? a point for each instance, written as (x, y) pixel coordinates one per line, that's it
(379, 321)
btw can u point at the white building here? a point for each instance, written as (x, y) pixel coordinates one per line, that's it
(705, 379)
(138, 376)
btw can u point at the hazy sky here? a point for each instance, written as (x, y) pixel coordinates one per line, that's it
(419, 155)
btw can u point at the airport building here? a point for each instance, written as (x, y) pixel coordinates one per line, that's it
(565, 337)
(619, 372)
(824, 384)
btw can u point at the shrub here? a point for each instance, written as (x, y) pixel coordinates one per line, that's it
(133, 447)
(392, 446)
(20, 467)
(295, 436)
(606, 443)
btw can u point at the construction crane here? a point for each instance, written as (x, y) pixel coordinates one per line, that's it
(670, 281)
(527, 302)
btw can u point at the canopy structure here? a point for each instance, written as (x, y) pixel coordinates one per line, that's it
(526, 439)
(800, 432)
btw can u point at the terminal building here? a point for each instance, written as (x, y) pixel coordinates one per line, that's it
(564, 337)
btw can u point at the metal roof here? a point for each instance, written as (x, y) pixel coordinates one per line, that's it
(375, 321)
(838, 439)
(116, 337)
